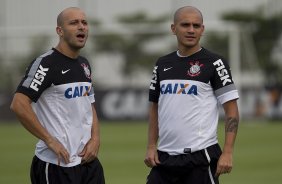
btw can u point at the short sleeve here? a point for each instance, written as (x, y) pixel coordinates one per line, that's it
(37, 78)
(222, 82)
(154, 90)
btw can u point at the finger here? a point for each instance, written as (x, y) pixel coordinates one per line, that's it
(152, 162)
(82, 153)
(87, 157)
(147, 162)
(157, 161)
(82, 161)
(63, 155)
(222, 171)
(86, 160)
(84, 157)
(217, 173)
(66, 158)
(59, 160)
(227, 171)
(90, 159)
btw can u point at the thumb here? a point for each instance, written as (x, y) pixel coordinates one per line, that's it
(82, 153)
(157, 159)
(217, 173)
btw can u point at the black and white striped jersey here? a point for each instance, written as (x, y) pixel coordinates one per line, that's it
(62, 92)
(187, 90)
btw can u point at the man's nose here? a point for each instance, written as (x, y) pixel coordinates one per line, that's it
(191, 28)
(81, 25)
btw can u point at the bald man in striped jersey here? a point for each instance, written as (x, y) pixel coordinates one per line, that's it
(55, 102)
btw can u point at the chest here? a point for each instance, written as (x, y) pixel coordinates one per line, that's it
(71, 73)
(194, 70)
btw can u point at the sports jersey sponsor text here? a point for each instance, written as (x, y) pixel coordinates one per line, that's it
(77, 91)
(38, 78)
(179, 88)
(154, 79)
(222, 72)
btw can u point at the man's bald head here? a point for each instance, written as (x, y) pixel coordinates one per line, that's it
(188, 9)
(61, 16)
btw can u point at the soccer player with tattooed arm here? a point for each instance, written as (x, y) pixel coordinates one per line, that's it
(186, 87)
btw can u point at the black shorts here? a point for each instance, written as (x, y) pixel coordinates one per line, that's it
(47, 173)
(192, 168)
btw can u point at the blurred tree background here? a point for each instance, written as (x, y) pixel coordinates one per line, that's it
(139, 30)
(265, 35)
(265, 32)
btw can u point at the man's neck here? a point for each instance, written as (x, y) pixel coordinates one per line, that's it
(67, 51)
(184, 52)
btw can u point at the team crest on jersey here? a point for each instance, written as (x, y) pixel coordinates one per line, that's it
(86, 70)
(195, 68)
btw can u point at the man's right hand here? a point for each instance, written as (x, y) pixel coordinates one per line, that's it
(152, 159)
(59, 150)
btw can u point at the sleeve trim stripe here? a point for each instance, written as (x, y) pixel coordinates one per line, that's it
(224, 89)
(33, 69)
(231, 95)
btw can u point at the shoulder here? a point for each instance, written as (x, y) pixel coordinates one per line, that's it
(46, 55)
(47, 58)
(167, 58)
(83, 59)
(44, 60)
(213, 59)
(212, 55)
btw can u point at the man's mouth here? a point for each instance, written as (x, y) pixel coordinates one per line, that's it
(189, 37)
(81, 36)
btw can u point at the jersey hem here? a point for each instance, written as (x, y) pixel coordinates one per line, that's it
(181, 151)
(72, 164)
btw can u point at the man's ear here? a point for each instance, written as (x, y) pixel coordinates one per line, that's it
(203, 30)
(172, 27)
(59, 31)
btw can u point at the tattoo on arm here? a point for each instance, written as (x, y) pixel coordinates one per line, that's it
(231, 125)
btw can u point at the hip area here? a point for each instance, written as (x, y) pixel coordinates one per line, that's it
(190, 159)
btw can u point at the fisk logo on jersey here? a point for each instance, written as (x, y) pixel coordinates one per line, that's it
(222, 72)
(179, 88)
(77, 91)
(38, 78)
(154, 79)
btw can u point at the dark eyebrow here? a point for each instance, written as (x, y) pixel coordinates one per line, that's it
(78, 20)
(189, 23)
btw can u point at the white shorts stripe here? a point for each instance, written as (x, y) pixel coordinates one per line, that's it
(209, 160)
(46, 173)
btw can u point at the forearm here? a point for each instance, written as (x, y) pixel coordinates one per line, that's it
(24, 112)
(95, 131)
(152, 135)
(231, 126)
(153, 127)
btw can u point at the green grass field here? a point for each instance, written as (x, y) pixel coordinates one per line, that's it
(257, 159)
